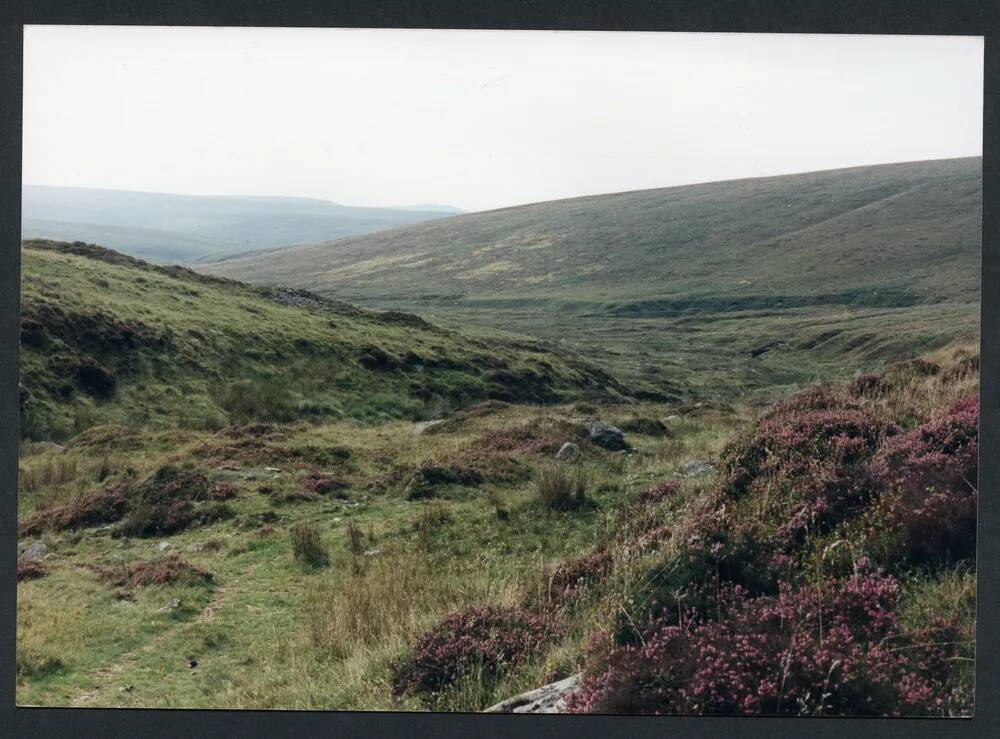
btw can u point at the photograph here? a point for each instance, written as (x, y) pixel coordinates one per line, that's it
(499, 371)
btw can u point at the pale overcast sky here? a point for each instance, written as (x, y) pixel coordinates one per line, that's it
(479, 119)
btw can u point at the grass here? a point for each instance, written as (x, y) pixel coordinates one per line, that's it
(277, 634)
(174, 343)
(322, 471)
(718, 289)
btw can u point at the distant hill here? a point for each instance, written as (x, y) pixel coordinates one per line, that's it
(188, 228)
(747, 283)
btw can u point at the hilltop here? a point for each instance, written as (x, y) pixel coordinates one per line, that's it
(733, 285)
(109, 339)
(185, 228)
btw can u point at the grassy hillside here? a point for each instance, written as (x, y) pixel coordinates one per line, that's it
(374, 568)
(185, 228)
(107, 339)
(729, 285)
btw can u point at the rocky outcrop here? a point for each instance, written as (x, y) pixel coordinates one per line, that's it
(549, 698)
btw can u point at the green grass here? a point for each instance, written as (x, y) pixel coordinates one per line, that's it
(719, 289)
(189, 352)
(268, 632)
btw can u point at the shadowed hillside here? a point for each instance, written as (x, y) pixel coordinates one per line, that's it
(734, 285)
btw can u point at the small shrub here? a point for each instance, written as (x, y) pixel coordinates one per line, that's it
(644, 426)
(565, 584)
(307, 545)
(30, 568)
(659, 492)
(101, 507)
(426, 480)
(222, 491)
(321, 484)
(831, 649)
(163, 503)
(491, 639)
(161, 571)
(561, 488)
(927, 510)
(209, 513)
(264, 400)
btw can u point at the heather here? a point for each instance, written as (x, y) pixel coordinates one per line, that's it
(832, 648)
(380, 537)
(491, 639)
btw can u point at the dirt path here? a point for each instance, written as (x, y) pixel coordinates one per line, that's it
(104, 676)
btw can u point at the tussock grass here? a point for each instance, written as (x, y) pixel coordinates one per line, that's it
(561, 487)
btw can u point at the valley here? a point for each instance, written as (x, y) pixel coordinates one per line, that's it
(576, 443)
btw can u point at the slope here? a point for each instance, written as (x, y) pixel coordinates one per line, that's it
(748, 283)
(108, 339)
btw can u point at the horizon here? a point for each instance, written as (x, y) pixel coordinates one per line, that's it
(529, 116)
(432, 206)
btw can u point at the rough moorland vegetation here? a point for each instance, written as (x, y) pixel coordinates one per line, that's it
(282, 501)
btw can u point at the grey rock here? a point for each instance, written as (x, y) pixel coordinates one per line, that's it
(198, 546)
(164, 546)
(607, 436)
(696, 468)
(549, 698)
(568, 452)
(36, 550)
(372, 552)
(173, 605)
(672, 419)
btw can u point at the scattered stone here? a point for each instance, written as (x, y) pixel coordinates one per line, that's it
(568, 452)
(607, 436)
(372, 552)
(116, 559)
(172, 606)
(164, 546)
(192, 663)
(672, 419)
(549, 698)
(37, 550)
(696, 468)
(198, 546)
(271, 469)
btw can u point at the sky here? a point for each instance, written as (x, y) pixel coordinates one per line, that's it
(479, 119)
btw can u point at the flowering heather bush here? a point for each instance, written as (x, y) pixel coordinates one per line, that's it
(322, 484)
(572, 578)
(29, 568)
(222, 491)
(162, 504)
(103, 506)
(929, 476)
(162, 571)
(493, 639)
(659, 492)
(834, 649)
(795, 442)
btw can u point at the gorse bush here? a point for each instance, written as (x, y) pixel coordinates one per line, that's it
(832, 648)
(307, 545)
(561, 487)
